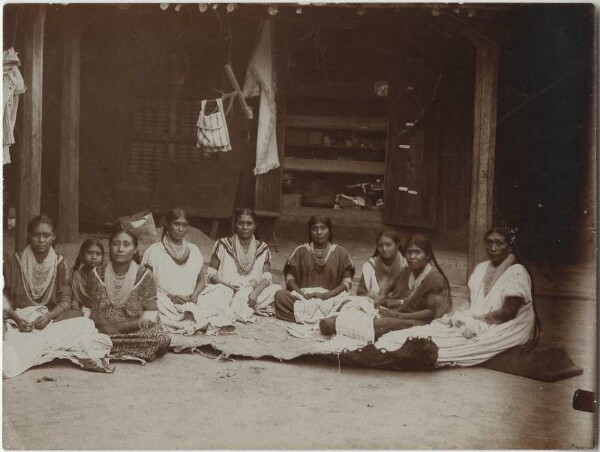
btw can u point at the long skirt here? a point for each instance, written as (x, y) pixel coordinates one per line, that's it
(75, 339)
(146, 344)
(220, 306)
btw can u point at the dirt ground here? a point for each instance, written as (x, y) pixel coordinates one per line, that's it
(189, 401)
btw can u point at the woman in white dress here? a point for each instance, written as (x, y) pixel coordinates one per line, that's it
(177, 267)
(239, 279)
(501, 315)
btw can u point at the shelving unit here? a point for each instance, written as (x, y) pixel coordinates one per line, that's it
(334, 166)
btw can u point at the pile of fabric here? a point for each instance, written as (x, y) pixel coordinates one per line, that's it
(14, 85)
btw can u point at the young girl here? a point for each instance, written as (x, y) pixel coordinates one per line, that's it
(91, 255)
(380, 273)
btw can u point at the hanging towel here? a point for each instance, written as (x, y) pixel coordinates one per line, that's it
(213, 135)
(13, 85)
(260, 80)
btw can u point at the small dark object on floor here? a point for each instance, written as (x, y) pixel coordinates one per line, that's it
(584, 401)
(327, 326)
(41, 380)
(415, 354)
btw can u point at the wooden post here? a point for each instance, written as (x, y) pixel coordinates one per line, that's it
(30, 157)
(68, 196)
(484, 149)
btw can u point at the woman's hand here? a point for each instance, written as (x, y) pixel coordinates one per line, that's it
(42, 321)
(146, 323)
(105, 327)
(321, 296)
(178, 299)
(386, 312)
(234, 287)
(24, 325)
(252, 300)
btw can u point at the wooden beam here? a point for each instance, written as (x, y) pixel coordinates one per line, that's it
(68, 195)
(484, 149)
(30, 157)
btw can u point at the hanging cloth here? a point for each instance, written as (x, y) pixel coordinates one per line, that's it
(13, 86)
(260, 81)
(213, 134)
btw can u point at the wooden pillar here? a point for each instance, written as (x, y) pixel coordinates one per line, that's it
(68, 195)
(30, 157)
(484, 149)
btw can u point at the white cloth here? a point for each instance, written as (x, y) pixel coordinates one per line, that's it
(221, 306)
(370, 277)
(174, 279)
(466, 341)
(13, 85)
(315, 309)
(356, 320)
(213, 134)
(71, 339)
(260, 80)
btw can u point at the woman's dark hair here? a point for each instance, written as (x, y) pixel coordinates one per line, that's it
(87, 244)
(40, 219)
(504, 232)
(172, 215)
(119, 230)
(424, 243)
(250, 213)
(511, 240)
(391, 233)
(320, 219)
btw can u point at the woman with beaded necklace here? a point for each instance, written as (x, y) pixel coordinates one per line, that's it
(177, 268)
(318, 269)
(123, 302)
(239, 279)
(40, 323)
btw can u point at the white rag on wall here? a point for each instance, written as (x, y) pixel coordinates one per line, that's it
(13, 86)
(260, 81)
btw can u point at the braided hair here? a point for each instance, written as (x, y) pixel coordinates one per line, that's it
(424, 243)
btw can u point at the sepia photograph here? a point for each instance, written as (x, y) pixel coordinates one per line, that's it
(305, 226)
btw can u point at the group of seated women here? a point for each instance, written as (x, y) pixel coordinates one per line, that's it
(127, 307)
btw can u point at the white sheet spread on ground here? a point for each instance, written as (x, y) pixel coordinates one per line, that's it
(465, 341)
(71, 339)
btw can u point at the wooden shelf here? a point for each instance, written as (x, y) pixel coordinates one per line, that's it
(334, 146)
(360, 217)
(337, 122)
(334, 166)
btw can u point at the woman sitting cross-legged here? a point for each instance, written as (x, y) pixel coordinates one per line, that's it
(318, 275)
(501, 314)
(239, 279)
(406, 296)
(42, 325)
(177, 268)
(123, 302)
